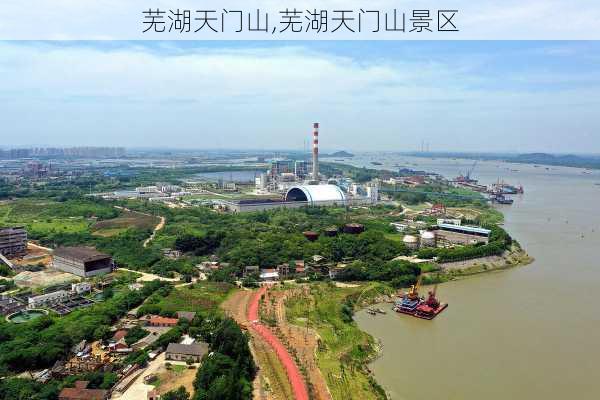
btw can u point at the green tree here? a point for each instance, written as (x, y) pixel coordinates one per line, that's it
(177, 394)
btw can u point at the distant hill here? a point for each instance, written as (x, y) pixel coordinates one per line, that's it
(565, 160)
(569, 160)
(339, 154)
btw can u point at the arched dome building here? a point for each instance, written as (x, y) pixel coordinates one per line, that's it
(316, 195)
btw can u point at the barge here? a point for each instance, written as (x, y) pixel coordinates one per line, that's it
(431, 307)
(412, 304)
(501, 199)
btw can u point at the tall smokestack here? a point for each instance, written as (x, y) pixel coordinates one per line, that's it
(316, 151)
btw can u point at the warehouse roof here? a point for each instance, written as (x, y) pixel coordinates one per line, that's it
(80, 253)
(465, 229)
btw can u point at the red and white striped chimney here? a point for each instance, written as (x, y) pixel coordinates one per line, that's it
(316, 151)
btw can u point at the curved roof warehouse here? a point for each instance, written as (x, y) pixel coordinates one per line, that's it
(316, 195)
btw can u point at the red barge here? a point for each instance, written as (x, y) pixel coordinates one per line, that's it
(412, 304)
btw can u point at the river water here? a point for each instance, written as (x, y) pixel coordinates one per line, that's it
(530, 332)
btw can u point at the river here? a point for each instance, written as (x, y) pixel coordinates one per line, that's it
(530, 332)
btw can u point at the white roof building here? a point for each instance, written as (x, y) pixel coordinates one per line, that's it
(316, 194)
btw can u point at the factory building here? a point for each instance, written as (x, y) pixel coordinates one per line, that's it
(82, 261)
(316, 195)
(48, 299)
(261, 181)
(279, 167)
(13, 241)
(461, 234)
(301, 169)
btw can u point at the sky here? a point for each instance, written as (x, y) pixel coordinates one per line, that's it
(478, 96)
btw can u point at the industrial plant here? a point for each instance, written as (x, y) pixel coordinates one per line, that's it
(297, 183)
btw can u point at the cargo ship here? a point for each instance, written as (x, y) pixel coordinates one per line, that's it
(501, 199)
(505, 188)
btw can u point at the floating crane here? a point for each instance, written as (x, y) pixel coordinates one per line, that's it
(466, 178)
(470, 171)
(431, 307)
(413, 293)
(432, 301)
(409, 302)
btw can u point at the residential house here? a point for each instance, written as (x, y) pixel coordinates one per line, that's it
(81, 392)
(269, 275)
(162, 321)
(184, 352)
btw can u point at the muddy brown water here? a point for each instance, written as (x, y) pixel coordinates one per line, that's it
(530, 332)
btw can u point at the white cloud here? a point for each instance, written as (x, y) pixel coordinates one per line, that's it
(266, 97)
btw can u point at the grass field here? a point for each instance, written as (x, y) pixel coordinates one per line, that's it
(45, 218)
(128, 219)
(346, 349)
(204, 296)
(397, 237)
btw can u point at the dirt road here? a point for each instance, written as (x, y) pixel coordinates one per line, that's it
(157, 228)
(145, 276)
(271, 381)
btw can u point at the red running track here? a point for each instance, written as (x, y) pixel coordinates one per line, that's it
(293, 373)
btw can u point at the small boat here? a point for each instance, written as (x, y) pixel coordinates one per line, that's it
(381, 311)
(371, 311)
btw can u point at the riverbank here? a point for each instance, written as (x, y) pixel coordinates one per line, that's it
(343, 350)
(510, 317)
(514, 257)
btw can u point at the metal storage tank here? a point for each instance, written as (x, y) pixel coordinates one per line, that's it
(331, 231)
(428, 239)
(354, 228)
(310, 235)
(410, 241)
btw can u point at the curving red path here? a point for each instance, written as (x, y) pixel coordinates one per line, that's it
(293, 373)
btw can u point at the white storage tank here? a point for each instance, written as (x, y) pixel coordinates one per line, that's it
(428, 239)
(410, 241)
